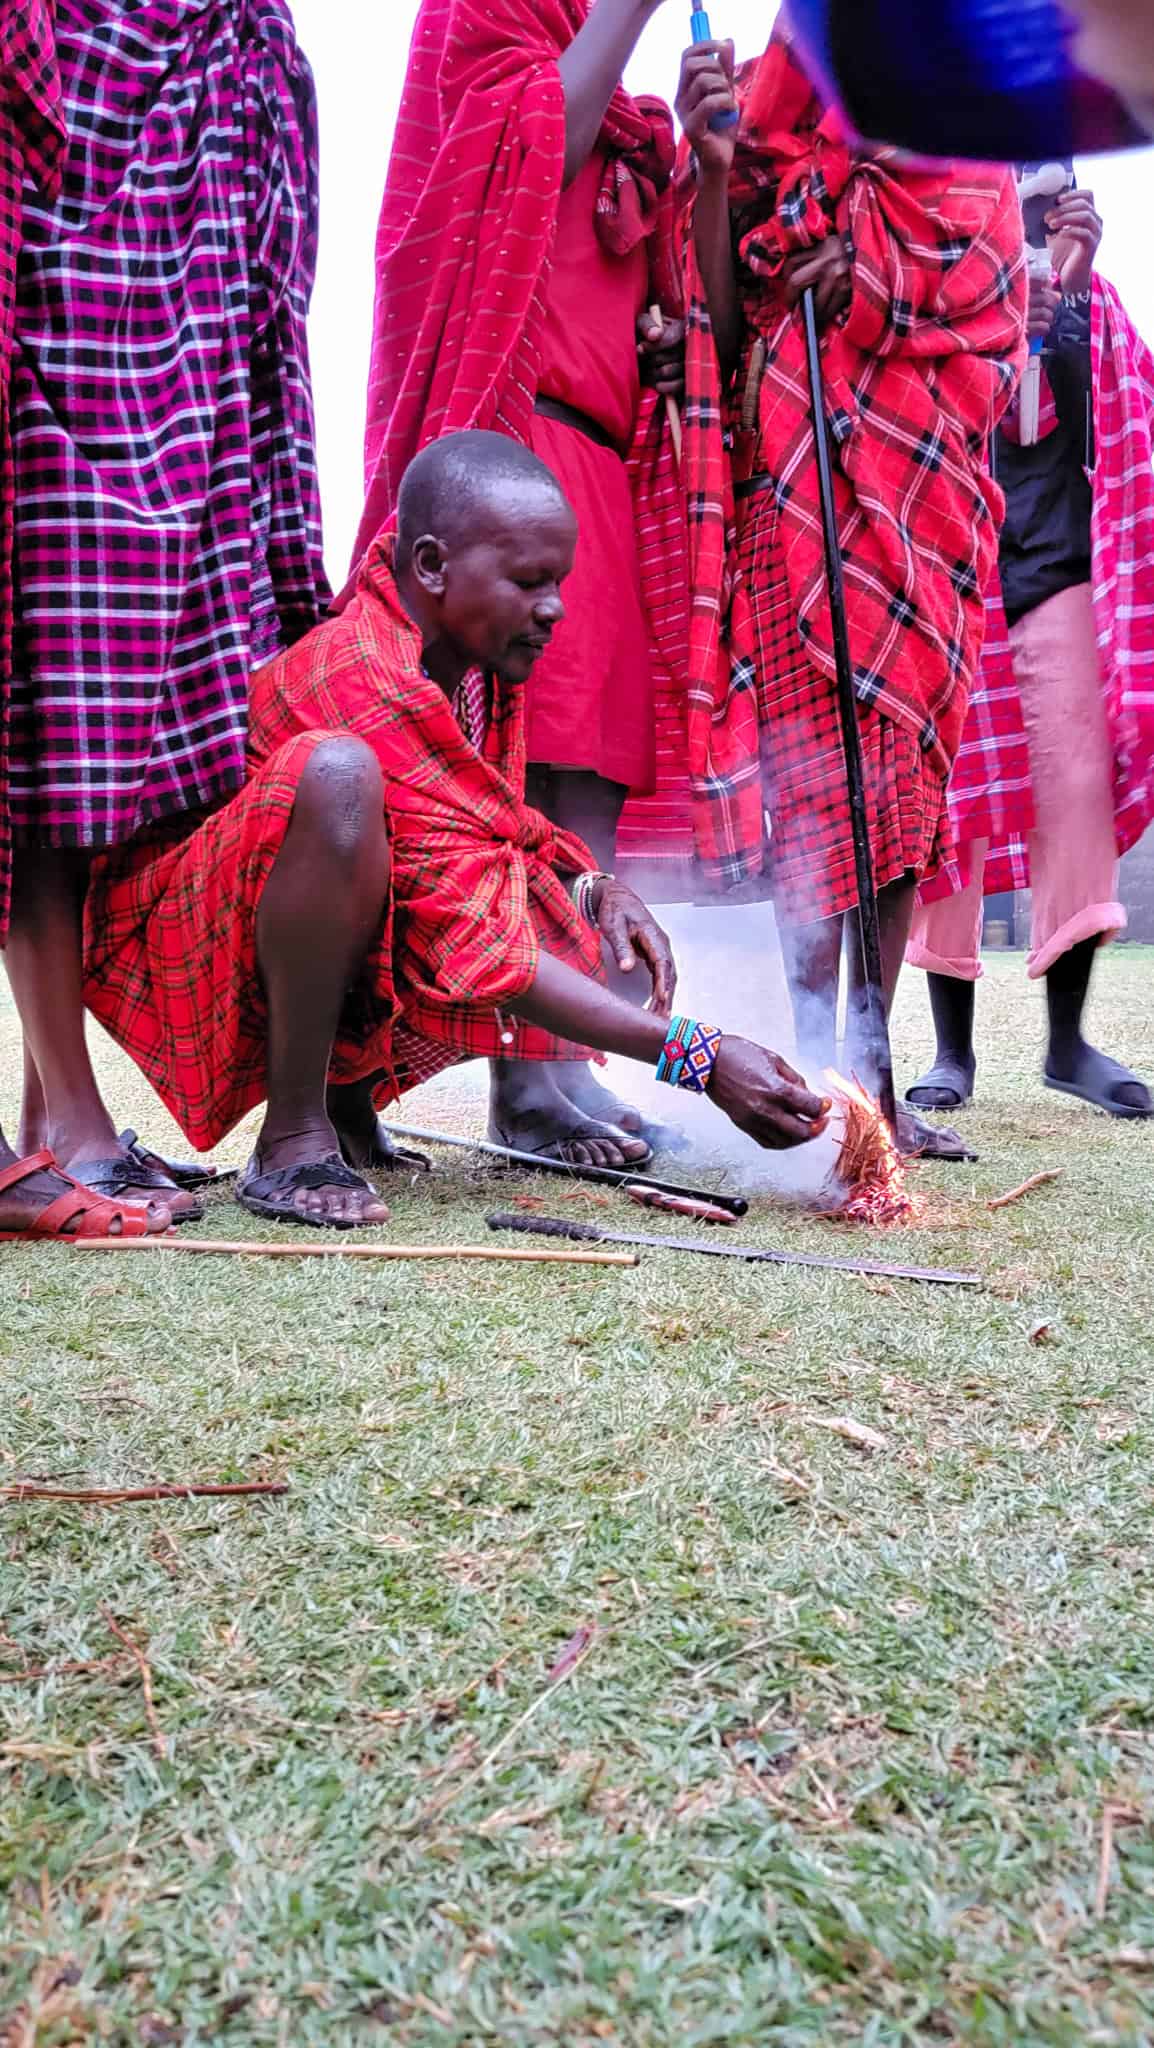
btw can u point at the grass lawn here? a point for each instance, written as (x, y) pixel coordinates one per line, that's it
(845, 1732)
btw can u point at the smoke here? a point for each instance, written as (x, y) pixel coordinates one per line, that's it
(732, 974)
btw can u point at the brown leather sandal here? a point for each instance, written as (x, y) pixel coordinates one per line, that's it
(75, 1214)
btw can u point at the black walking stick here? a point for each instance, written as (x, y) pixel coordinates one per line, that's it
(868, 921)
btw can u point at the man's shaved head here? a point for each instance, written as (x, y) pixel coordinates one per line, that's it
(485, 539)
(462, 486)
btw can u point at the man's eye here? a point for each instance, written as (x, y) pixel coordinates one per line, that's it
(530, 582)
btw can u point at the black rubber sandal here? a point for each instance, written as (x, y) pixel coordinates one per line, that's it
(187, 1175)
(384, 1155)
(126, 1180)
(1114, 1075)
(942, 1079)
(270, 1195)
(558, 1149)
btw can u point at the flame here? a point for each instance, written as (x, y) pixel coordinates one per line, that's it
(869, 1167)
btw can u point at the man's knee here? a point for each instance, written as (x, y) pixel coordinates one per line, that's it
(340, 799)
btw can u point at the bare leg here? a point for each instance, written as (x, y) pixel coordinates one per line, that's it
(812, 955)
(895, 915)
(63, 1105)
(536, 1107)
(322, 906)
(63, 1109)
(916, 1138)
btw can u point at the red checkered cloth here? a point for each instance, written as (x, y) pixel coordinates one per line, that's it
(811, 852)
(463, 259)
(478, 889)
(990, 792)
(31, 144)
(917, 375)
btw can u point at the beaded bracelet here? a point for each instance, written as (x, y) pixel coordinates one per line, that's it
(689, 1055)
(583, 889)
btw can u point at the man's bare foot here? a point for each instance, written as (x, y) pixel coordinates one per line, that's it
(300, 1177)
(920, 1140)
(366, 1143)
(577, 1081)
(529, 1113)
(39, 1203)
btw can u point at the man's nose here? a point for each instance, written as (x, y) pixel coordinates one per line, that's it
(548, 610)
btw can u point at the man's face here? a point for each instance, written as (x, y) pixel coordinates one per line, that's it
(500, 600)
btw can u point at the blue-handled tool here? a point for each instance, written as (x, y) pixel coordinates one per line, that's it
(702, 33)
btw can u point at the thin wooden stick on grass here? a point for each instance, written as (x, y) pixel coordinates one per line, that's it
(144, 1667)
(115, 1496)
(444, 1800)
(1113, 1817)
(1028, 1187)
(33, 1673)
(241, 1248)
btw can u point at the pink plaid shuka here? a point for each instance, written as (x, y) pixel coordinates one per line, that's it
(167, 534)
(990, 793)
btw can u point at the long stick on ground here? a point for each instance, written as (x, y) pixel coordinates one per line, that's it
(600, 1176)
(114, 1496)
(242, 1248)
(877, 1021)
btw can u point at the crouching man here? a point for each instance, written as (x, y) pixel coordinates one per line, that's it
(379, 901)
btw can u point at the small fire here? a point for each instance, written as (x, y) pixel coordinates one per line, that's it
(869, 1167)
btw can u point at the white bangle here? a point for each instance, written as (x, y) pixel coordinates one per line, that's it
(583, 889)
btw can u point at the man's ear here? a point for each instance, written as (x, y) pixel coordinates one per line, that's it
(428, 565)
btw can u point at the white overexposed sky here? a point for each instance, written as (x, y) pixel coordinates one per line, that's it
(359, 79)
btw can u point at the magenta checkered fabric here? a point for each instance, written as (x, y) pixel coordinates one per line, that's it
(31, 145)
(167, 522)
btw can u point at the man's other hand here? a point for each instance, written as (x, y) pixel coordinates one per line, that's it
(1076, 227)
(1045, 299)
(764, 1097)
(633, 934)
(661, 348)
(828, 271)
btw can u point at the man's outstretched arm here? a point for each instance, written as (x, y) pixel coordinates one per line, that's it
(757, 1091)
(591, 70)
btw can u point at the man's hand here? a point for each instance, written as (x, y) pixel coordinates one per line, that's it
(765, 1098)
(633, 934)
(1045, 299)
(705, 90)
(1076, 227)
(661, 347)
(828, 270)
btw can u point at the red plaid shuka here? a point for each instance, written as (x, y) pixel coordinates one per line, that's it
(463, 259)
(31, 147)
(990, 792)
(917, 375)
(477, 892)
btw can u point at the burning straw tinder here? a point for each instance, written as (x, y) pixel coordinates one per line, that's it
(870, 1182)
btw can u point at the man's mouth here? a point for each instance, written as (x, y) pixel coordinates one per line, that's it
(535, 644)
